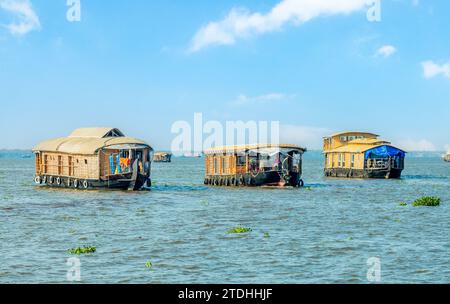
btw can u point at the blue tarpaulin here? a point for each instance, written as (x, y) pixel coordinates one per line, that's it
(383, 152)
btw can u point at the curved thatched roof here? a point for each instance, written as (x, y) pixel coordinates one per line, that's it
(88, 141)
(242, 148)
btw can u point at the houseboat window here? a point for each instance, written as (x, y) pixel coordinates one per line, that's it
(223, 165)
(216, 165)
(343, 138)
(341, 162)
(85, 161)
(297, 162)
(353, 160)
(350, 138)
(241, 160)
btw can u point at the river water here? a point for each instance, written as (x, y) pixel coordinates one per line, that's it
(323, 233)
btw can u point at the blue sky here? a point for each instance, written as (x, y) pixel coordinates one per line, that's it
(142, 65)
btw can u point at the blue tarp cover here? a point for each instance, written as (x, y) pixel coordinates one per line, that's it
(383, 152)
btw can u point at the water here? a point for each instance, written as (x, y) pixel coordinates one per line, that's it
(321, 234)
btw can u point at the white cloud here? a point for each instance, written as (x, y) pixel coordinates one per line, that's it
(26, 19)
(416, 145)
(309, 137)
(240, 23)
(262, 99)
(431, 69)
(386, 51)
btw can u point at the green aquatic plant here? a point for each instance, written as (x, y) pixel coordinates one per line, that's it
(403, 204)
(82, 250)
(148, 264)
(309, 188)
(69, 218)
(428, 201)
(239, 230)
(266, 235)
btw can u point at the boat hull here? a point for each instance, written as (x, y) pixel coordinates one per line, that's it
(366, 173)
(122, 182)
(270, 179)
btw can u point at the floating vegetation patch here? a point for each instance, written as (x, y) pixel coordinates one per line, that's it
(140, 211)
(403, 204)
(69, 218)
(82, 250)
(204, 203)
(148, 264)
(266, 235)
(428, 201)
(239, 230)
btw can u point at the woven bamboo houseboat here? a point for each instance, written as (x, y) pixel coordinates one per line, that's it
(162, 157)
(362, 155)
(447, 156)
(94, 158)
(254, 165)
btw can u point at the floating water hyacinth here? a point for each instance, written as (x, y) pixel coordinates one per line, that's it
(428, 201)
(239, 230)
(148, 264)
(82, 250)
(403, 204)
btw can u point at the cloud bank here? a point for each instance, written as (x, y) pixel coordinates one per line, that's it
(240, 23)
(386, 51)
(421, 145)
(26, 20)
(432, 69)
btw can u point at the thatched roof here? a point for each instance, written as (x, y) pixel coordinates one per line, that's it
(242, 148)
(352, 133)
(87, 141)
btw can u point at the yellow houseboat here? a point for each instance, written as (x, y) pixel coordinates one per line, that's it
(447, 156)
(361, 155)
(94, 158)
(254, 165)
(162, 157)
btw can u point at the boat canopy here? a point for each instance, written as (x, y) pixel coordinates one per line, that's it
(89, 141)
(255, 148)
(384, 151)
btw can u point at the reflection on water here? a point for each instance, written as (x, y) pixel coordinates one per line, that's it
(322, 233)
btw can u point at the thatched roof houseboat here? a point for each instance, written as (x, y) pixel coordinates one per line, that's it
(94, 158)
(254, 165)
(162, 157)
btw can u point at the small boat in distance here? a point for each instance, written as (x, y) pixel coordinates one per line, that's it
(447, 156)
(162, 157)
(254, 165)
(94, 158)
(362, 155)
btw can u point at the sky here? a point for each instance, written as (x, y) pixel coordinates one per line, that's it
(317, 67)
